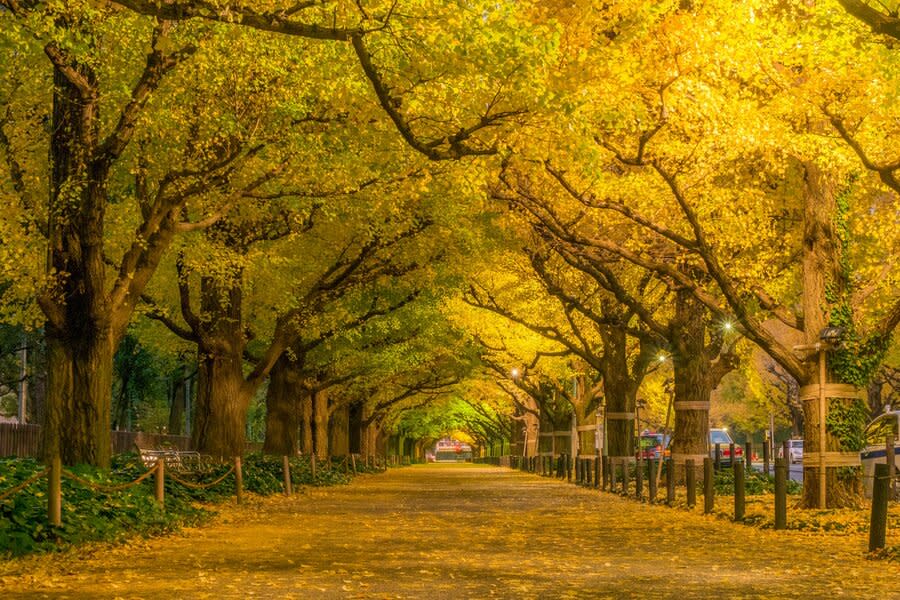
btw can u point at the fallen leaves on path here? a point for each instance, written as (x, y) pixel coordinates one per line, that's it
(462, 531)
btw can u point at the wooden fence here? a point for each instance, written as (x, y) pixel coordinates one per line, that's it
(25, 440)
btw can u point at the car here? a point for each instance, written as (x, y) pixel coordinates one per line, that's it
(795, 450)
(652, 446)
(875, 452)
(721, 437)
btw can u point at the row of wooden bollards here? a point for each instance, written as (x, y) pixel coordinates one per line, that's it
(612, 475)
(158, 471)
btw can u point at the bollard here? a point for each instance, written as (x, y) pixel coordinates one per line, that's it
(731, 455)
(568, 468)
(781, 469)
(738, 490)
(708, 489)
(353, 462)
(651, 481)
(670, 481)
(161, 481)
(613, 467)
(766, 459)
(892, 462)
(577, 470)
(786, 450)
(604, 475)
(718, 456)
(748, 454)
(690, 478)
(878, 523)
(54, 492)
(626, 476)
(588, 472)
(597, 473)
(286, 470)
(238, 480)
(639, 480)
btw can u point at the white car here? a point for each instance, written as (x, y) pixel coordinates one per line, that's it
(795, 451)
(876, 445)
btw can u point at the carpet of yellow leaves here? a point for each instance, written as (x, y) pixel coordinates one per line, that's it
(463, 531)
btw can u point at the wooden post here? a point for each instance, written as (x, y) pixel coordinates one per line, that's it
(626, 476)
(286, 470)
(891, 462)
(568, 468)
(612, 475)
(54, 492)
(766, 459)
(878, 523)
(639, 480)
(353, 462)
(690, 478)
(731, 453)
(578, 470)
(597, 463)
(238, 480)
(718, 456)
(823, 440)
(781, 470)
(652, 481)
(708, 489)
(670, 481)
(161, 481)
(739, 504)
(786, 450)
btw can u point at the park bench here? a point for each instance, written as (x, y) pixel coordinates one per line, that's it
(181, 460)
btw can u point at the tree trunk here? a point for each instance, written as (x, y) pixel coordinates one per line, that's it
(822, 279)
(320, 423)
(283, 409)
(306, 423)
(339, 432)
(220, 414)
(77, 425)
(693, 385)
(179, 401)
(620, 395)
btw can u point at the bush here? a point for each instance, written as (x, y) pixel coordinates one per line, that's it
(755, 483)
(89, 514)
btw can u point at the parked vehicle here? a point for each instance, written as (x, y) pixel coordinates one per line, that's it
(721, 437)
(795, 451)
(652, 446)
(876, 445)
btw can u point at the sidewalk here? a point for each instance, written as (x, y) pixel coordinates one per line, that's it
(462, 531)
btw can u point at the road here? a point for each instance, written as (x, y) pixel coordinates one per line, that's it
(456, 532)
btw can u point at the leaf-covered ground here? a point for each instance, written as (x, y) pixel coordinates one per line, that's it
(462, 531)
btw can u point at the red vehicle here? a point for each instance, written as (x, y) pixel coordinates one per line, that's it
(652, 446)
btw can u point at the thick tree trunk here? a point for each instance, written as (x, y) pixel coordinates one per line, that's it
(693, 385)
(283, 409)
(77, 420)
(179, 401)
(220, 414)
(306, 423)
(339, 432)
(822, 279)
(320, 423)
(620, 395)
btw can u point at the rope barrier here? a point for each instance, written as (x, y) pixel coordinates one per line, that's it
(107, 488)
(201, 486)
(23, 485)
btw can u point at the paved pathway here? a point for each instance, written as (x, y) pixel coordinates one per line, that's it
(462, 531)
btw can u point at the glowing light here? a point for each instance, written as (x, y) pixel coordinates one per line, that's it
(728, 326)
(661, 358)
(515, 373)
